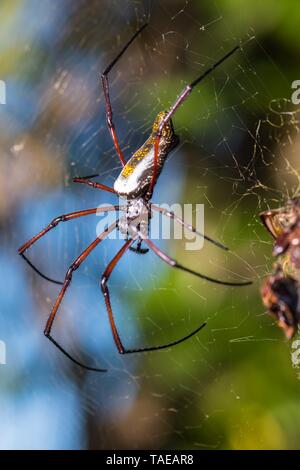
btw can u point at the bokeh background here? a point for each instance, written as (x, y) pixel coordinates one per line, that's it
(235, 385)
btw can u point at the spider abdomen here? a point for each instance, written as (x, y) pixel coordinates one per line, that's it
(135, 178)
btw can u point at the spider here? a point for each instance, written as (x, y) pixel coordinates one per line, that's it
(281, 295)
(135, 184)
(284, 226)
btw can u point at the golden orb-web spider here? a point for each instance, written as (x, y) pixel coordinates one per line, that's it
(135, 183)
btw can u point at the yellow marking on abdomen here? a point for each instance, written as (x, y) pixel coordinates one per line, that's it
(127, 170)
(135, 159)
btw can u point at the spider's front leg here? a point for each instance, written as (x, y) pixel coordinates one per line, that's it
(105, 85)
(178, 102)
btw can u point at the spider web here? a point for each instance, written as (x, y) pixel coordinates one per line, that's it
(238, 155)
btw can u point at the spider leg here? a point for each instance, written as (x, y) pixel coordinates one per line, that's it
(54, 223)
(188, 226)
(117, 339)
(35, 269)
(168, 345)
(178, 102)
(173, 263)
(138, 249)
(105, 84)
(68, 278)
(88, 177)
(86, 180)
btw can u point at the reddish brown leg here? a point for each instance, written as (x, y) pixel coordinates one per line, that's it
(109, 119)
(117, 339)
(104, 280)
(54, 223)
(173, 263)
(178, 102)
(68, 278)
(105, 84)
(84, 180)
(171, 215)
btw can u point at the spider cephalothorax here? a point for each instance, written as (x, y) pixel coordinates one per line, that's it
(136, 218)
(135, 184)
